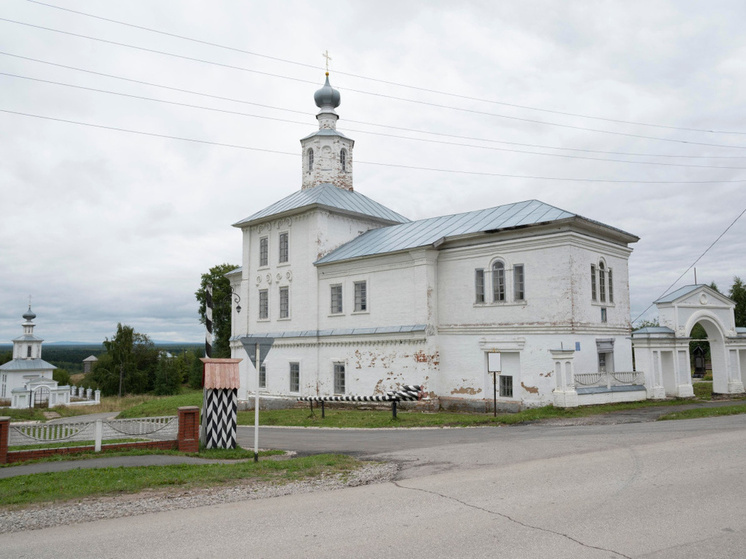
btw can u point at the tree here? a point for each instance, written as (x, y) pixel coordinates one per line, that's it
(738, 294)
(5, 357)
(128, 365)
(221, 307)
(168, 375)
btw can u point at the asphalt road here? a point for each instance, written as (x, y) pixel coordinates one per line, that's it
(655, 490)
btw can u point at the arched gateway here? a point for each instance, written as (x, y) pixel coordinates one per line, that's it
(663, 351)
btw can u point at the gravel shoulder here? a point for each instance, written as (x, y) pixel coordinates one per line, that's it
(40, 516)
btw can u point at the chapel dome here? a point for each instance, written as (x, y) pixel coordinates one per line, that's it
(327, 96)
(29, 314)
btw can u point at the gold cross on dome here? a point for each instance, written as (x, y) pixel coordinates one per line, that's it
(325, 54)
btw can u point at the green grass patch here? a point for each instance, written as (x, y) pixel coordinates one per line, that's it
(166, 405)
(736, 409)
(33, 414)
(371, 419)
(77, 484)
(702, 390)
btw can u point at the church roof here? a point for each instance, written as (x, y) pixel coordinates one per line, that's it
(27, 365)
(27, 338)
(425, 232)
(325, 196)
(324, 132)
(680, 292)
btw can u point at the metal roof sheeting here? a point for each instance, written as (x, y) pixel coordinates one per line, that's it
(27, 365)
(221, 374)
(680, 292)
(329, 196)
(427, 231)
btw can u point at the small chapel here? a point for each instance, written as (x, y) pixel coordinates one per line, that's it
(27, 378)
(507, 306)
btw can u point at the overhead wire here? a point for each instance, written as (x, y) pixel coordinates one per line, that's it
(441, 142)
(359, 162)
(691, 266)
(382, 95)
(387, 82)
(388, 126)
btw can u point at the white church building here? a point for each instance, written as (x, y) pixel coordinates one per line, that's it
(361, 300)
(27, 380)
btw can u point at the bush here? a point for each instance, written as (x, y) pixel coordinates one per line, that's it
(62, 377)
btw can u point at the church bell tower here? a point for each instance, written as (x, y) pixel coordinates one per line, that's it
(327, 153)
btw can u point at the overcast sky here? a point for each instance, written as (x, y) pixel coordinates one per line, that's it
(630, 113)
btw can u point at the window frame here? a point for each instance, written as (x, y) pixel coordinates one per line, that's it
(594, 290)
(610, 286)
(506, 389)
(294, 383)
(601, 282)
(310, 160)
(498, 281)
(360, 291)
(339, 377)
(519, 295)
(284, 293)
(343, 159)
(283, 252)
(336, 294)
(479, 286)
(263, 251)
(263, 308)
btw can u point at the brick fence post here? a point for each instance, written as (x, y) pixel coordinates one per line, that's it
(189, 429)
(4, 436)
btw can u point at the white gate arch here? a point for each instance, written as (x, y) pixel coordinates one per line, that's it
(663, 351)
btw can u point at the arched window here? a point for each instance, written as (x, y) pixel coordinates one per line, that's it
(498, 281)
(310, 160)
(593, 282)
(602, 282)
(343, 160)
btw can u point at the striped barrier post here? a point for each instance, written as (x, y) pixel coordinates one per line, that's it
(208, 321)
(408, 392)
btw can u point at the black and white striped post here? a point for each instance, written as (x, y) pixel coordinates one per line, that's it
(408, 392)
(208, 321)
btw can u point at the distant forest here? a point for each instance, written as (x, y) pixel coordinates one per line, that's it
(70, 357)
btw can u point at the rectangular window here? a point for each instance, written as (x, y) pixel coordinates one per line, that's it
(263, 251)
(294, 377)
(603, 315)
(361, 296)
(336, 294)
(506, 386)
(263, 304)
(611, 288)
(339, 378)
(498, 282)
(479, 285)
(263, 376)
(518, 289)
(284, 302)
(593, 282)
(601, 283)
(601, 362)
(283, 247)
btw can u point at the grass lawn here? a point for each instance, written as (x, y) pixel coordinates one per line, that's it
(77, 484)
(735, 409)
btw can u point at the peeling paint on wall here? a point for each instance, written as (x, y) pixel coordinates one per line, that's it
(530, 389)
(466, 390)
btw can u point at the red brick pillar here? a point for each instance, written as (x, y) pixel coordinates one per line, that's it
(4, 436)
(189, 429)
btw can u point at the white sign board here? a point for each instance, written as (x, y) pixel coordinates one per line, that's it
(493, 362)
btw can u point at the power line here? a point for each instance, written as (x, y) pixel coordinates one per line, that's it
(388, 126)
(393, 165)
(442, 142)
(397, 84)
(393, 97)
(692, 265)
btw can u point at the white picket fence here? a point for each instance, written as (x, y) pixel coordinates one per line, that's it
(155, 428)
